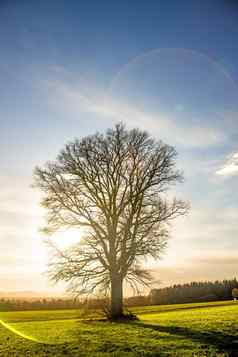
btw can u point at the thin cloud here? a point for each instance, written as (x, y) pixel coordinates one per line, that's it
(224, 259)
(230, 167)
(73, 100)
(197, 268)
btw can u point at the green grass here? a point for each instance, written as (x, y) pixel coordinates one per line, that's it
(198, 330)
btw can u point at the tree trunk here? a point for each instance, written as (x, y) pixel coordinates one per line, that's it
(116, 296)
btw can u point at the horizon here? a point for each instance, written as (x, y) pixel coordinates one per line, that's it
(34, 294)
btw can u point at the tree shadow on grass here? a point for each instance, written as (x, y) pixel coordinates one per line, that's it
(120, 338)
(223, 342)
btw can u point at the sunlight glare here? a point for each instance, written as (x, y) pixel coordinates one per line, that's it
(66, 238)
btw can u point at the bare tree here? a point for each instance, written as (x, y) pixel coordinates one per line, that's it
(114, 185)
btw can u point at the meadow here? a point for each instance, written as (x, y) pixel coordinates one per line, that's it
(203, 329)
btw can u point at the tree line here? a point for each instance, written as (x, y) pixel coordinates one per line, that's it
(24, 304)
(194, 291)
(179, 293)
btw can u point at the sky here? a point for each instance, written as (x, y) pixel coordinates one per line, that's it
(71, 68)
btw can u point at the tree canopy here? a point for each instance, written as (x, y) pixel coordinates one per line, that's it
(114, 186)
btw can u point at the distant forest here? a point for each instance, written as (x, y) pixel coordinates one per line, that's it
(22, 304)
(194, 292)
(176, 294)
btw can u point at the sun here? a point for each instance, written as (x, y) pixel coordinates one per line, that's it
(66, 238)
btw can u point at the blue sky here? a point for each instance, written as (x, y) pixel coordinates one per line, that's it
(69, 68)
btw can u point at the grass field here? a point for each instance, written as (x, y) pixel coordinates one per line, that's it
(204, 329)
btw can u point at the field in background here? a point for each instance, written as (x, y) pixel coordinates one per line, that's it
(204, 329)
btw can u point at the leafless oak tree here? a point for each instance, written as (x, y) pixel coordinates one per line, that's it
(115, 186)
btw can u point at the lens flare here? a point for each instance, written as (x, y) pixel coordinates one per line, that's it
(17, 332)
(183, 96)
